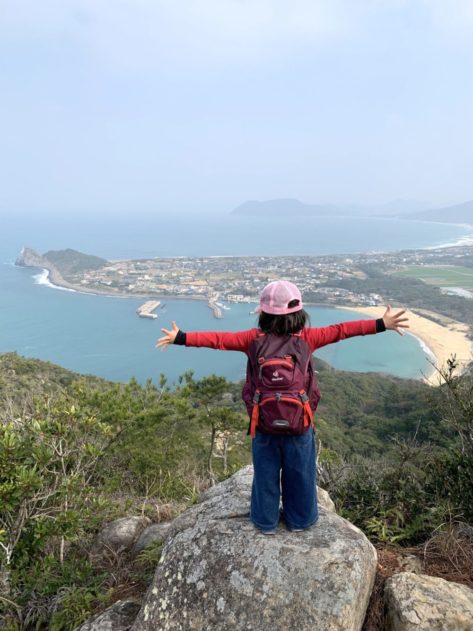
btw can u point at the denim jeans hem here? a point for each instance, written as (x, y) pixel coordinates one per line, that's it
(293, 527)
(260, 527)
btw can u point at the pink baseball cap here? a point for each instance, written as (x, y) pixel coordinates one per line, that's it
(276, 296)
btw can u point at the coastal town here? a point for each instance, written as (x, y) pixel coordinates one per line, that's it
(322, 279)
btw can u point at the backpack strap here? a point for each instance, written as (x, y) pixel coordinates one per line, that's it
(308, 412)
(255, 414)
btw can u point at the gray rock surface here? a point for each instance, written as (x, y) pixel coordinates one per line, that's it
(118, 617)
(416, 602)
(151, 534)
(218, 573)
(120, 535)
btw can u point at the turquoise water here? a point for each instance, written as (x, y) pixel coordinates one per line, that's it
(103, 336)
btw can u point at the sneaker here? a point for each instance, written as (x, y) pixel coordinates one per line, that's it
(297, 529)
(269, 532)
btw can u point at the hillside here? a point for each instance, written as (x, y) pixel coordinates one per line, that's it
(79, 452)
(72, 262)
(60, 263)
(358, 412)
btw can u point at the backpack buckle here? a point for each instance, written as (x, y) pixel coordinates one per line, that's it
(303, 396)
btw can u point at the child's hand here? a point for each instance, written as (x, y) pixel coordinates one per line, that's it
(393, 321)
(169, 338)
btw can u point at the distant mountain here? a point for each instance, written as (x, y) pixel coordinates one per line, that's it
(289, 206)
(400, 206)
(460, 213)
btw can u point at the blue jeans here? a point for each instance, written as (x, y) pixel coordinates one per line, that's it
(284, 465)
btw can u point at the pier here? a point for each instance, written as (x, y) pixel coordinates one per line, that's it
(217, 311)
(146, 309)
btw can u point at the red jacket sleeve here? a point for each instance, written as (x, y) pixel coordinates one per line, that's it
(228, 341)
(317, 337)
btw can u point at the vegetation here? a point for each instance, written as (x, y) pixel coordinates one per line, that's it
(73, 262)
(406, 291)
(420, 485)
(77, 452)
(441, 275)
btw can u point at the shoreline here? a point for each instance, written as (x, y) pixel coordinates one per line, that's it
(50, 281)
(440, 341)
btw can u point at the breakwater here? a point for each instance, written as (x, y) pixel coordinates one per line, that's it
(147, 309)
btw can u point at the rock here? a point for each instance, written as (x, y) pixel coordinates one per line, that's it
(120, 535)
(218, 573)
(118, 617)
(325, 500)
(416, 602)
(152, 534)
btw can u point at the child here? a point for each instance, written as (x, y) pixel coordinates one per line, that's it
(283, 463)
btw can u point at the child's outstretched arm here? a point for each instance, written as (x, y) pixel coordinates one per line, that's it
(224, 341)
(317, 337)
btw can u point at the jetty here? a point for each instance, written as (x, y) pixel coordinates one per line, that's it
(217, 311)
(146, 309)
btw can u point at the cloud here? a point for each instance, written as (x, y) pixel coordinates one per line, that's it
(129, 35)
(149, 32)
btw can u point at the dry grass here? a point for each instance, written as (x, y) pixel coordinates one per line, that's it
(448, 554)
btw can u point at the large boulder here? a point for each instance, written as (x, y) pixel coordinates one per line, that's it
(218, 573)
(118, 617)
(416, 602)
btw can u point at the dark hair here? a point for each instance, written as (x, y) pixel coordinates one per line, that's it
(284, 324)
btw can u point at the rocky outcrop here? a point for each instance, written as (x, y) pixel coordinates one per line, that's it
(217, 572)
(30, 258)
(416, 602)
(118, 617)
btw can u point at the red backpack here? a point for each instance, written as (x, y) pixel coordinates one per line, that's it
(280, 392)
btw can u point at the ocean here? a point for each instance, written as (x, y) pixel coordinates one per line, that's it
(103, 336)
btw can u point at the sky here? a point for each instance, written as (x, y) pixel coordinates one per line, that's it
(136, 105)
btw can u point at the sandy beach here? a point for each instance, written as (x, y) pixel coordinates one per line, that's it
(442, 340)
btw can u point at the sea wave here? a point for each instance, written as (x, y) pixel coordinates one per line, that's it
(466, 239)
(43, 279)
(427, 350)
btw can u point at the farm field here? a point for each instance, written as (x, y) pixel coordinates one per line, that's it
(441, 276)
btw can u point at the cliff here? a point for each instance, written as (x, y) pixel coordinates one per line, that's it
(60, 263)
(30, 258)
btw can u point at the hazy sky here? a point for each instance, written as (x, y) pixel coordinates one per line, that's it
(144, 104)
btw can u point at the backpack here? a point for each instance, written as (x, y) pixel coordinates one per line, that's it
(280, 392)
